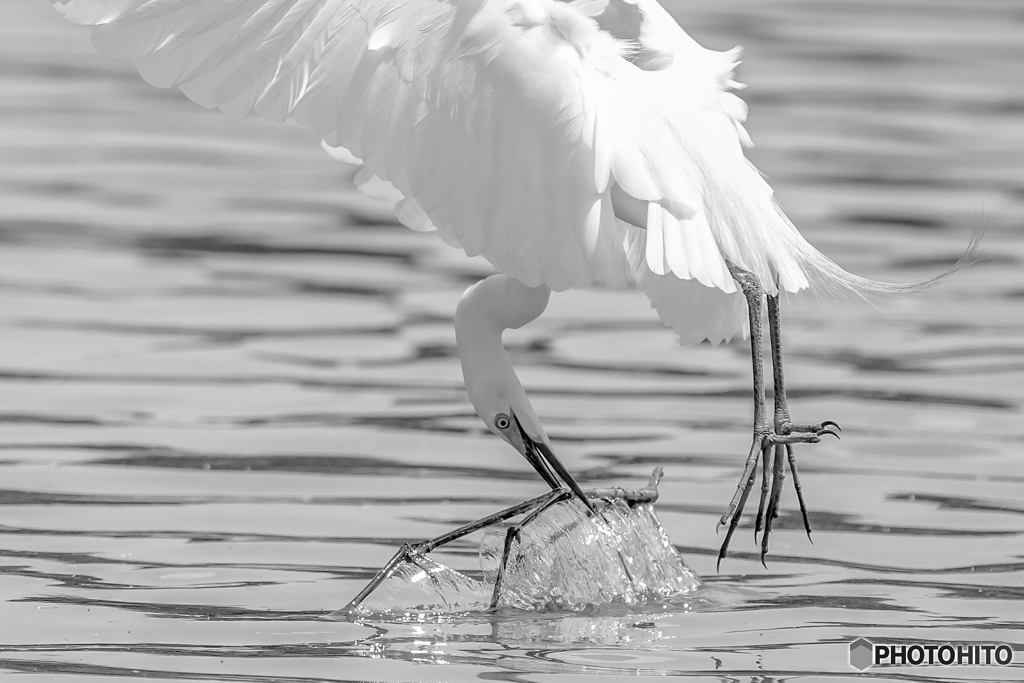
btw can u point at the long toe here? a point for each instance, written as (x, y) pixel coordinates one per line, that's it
(799, 490)
(786, 427)
(758, 449)
(734, 520)
(778, 479)
(798, 437)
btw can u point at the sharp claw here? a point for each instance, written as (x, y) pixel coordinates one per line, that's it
(822, 432)
(830, 423)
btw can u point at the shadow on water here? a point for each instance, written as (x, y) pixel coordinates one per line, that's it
(229, 386)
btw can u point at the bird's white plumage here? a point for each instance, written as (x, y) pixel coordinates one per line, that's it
(504, 125)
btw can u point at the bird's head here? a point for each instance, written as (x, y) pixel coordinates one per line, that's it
(507, 412)
(501, 403)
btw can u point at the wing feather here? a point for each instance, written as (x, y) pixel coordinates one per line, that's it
(504, 123)
(694, 312)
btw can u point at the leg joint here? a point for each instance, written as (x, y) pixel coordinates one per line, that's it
(748, 282)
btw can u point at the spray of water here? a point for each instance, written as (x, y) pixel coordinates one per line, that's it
(564, 559)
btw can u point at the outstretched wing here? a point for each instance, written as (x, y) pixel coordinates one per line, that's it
(507, 125)
(476, 111)
(501, 122)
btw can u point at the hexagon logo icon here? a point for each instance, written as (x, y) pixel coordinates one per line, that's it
(861, 651)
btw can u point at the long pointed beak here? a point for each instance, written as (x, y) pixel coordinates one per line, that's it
(543, 459)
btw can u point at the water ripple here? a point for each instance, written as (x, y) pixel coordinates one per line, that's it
(229, 386)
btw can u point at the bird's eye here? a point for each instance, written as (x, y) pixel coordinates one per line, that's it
(502, 422)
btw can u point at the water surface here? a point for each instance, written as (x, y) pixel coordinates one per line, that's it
(229, 385)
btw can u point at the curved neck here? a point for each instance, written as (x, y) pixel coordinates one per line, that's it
(499, 303)
(490, 307)
(487, 309)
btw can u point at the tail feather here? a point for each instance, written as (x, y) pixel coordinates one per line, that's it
(826, 277)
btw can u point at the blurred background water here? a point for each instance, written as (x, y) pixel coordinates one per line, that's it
(229, 384)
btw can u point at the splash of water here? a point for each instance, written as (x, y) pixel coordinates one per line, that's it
(563, 559)
(567, 560)
(423, 586)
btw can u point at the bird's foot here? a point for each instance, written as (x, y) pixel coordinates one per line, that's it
(773, 449)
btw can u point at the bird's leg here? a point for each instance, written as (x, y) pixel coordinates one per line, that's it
(752, 291)
(784, 426)
(513, 534)
(765, 438)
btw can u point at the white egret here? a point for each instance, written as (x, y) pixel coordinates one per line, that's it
(569, 143)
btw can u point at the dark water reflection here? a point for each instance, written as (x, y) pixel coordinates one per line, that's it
(229, 387)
